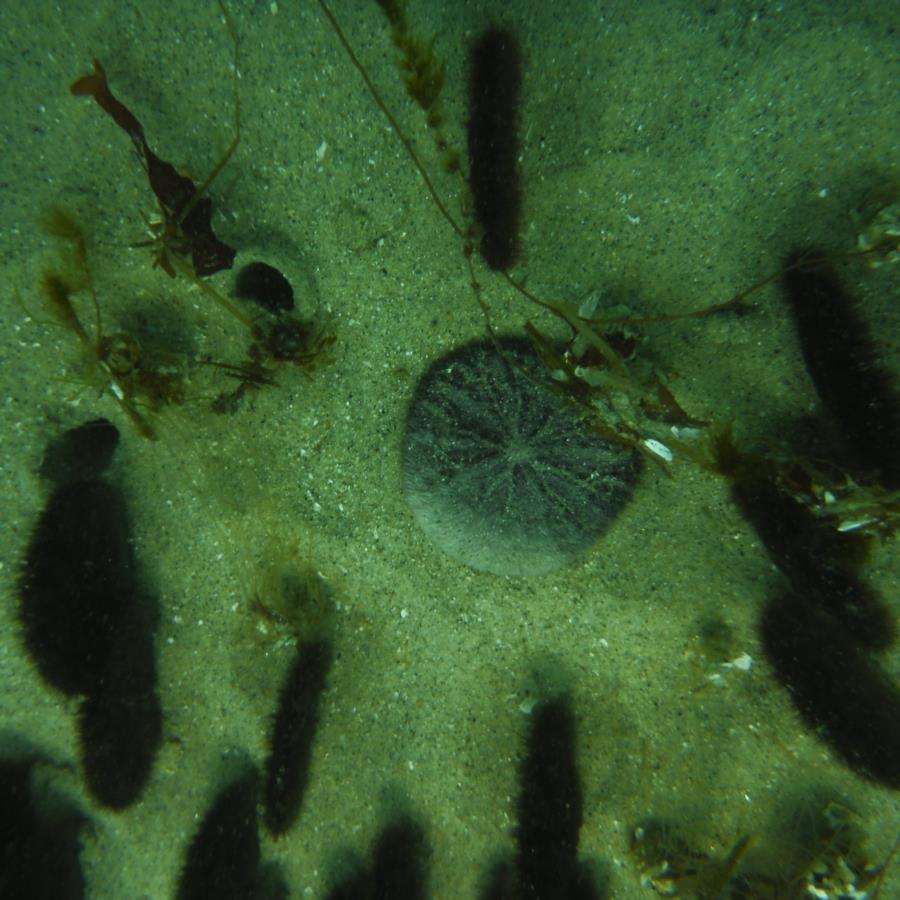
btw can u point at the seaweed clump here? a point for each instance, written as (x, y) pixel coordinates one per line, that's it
(137, 376)
(817, 853)
(825, 858)
(185, 231)
(183, 242)
(295, 602)
(668, 862)
(423, 71)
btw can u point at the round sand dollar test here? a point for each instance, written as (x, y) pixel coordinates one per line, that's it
(500, 472)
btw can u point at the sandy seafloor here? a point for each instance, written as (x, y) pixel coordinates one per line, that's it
(672, 153)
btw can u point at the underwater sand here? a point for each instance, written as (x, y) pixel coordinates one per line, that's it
(672, 153)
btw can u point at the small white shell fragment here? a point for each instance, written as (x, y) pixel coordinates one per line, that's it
(589, 305)
(854, 524)
(658, 449)
(685, 434)
(743, 662)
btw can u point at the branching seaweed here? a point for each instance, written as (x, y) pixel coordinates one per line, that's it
(826, 859)
(183, 242)
(183, 239)
(185, 231)
(275, 340)
(186, 227)
(133, 377)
